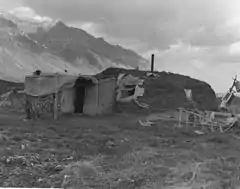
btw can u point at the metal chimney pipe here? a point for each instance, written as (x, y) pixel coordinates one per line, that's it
(152, 63)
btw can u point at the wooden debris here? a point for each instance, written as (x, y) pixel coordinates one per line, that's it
(206, 119)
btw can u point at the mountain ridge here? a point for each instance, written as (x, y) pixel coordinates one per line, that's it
(56, 30)
(20, 55)
(63, 36)
(56, 49)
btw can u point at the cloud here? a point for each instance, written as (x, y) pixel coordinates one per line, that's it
(27, 13)
(8, 5)
(200, 38)
(234, 48)
(91, 27)
(211, 64)
(156, 22)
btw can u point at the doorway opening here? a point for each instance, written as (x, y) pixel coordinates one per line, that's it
(81, 87)
(79, 101)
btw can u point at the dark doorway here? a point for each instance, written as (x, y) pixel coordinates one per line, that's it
(79, 101)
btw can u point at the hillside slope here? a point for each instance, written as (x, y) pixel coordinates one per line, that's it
(74, 45)
(167, 91)
(20, 55)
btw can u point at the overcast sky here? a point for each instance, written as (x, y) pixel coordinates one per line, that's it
(200, 38)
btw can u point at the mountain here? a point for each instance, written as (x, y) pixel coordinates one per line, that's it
(20, 55)
(75, 46)
(78, 47)
(27, 45)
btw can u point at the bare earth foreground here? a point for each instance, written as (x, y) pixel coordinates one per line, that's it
(114, 152)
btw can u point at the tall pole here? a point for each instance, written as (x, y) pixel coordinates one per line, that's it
(152, 63)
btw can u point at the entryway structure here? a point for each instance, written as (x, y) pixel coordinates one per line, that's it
(74, 94)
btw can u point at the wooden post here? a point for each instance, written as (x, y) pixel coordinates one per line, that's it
(55, 106)
(152, 63)
(55, 109)
(179, 117)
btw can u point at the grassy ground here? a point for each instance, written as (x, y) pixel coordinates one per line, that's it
(114, 152)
